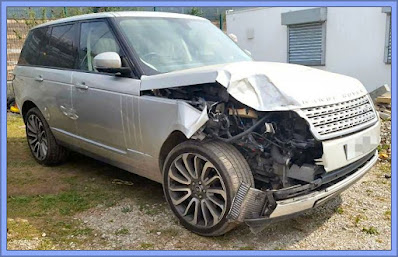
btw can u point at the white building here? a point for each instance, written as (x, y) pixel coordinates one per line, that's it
(355, 41)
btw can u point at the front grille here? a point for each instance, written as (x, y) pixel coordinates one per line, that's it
(333, 119)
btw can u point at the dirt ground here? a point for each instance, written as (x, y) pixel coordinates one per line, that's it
(85, 204)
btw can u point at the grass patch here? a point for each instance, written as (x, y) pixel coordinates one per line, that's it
(371, 230)
(246, 248)
(146, 246)
(126, 209)
(384, 168)
(49, 197)
(122, 231)
(383, 147)
(21, 229)
(339, 210)
(357, 219)
(387, 214)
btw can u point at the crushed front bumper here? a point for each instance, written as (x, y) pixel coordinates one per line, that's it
(256, 207)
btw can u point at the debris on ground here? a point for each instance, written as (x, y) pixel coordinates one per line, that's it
(385, 142)
(379, 91)
(382, 100)
(122, 182)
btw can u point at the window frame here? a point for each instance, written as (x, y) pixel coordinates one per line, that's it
(387, 41)
(323, 44)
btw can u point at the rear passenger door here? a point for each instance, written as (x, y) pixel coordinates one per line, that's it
(58, 61)
(99, 98)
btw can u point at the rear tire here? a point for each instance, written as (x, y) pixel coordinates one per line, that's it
(41, 140)
(200, 180)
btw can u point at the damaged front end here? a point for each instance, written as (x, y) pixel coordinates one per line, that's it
(258, 207)
(294, 169)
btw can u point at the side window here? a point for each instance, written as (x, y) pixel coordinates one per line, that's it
(33, 50)
(95, 38)
(62, 50)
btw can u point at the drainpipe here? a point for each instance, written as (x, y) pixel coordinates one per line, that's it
(221, 21)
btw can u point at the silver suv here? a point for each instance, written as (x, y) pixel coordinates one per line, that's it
(170, 97)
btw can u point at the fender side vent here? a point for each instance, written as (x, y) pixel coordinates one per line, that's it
(237, 202)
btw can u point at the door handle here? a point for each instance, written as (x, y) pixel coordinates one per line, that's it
(81, 86)
(39, 78)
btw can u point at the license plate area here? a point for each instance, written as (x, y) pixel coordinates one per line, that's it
(360, 146)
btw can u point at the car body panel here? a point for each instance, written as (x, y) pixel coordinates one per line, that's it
(51, 91)
(264, 86)
(109, 121)
(342, 151)
(156, 124)
(98, 108)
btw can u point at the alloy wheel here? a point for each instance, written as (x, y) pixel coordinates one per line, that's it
(197, 190)
(37, 137)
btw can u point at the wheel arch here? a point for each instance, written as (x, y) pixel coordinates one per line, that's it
(175, 138)
(26, 106)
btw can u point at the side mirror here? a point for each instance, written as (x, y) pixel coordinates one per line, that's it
(110, 62)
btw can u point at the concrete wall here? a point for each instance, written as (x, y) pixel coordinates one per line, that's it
(355, 40)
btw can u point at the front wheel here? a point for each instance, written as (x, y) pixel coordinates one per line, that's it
(200, 180)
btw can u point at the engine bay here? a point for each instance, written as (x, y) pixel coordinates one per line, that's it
(278, 145)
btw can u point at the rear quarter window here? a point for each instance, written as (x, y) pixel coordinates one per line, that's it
(33, 50)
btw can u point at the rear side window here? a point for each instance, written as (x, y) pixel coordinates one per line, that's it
(62, 50)
(33, 50)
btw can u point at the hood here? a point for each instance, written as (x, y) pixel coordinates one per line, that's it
(267, 86)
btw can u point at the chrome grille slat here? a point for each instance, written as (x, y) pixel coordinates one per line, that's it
(336, 116)
(328, 120)
(322, 110)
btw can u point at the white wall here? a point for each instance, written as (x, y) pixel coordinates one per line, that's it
(355, 40)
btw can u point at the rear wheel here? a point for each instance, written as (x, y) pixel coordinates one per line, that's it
(41, 141)
(200, 181)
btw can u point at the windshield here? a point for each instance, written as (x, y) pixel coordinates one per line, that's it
(171, 44)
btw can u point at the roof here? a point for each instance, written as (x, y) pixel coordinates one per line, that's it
(120, 14)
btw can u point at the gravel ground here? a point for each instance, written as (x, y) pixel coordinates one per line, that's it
(360, 218)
